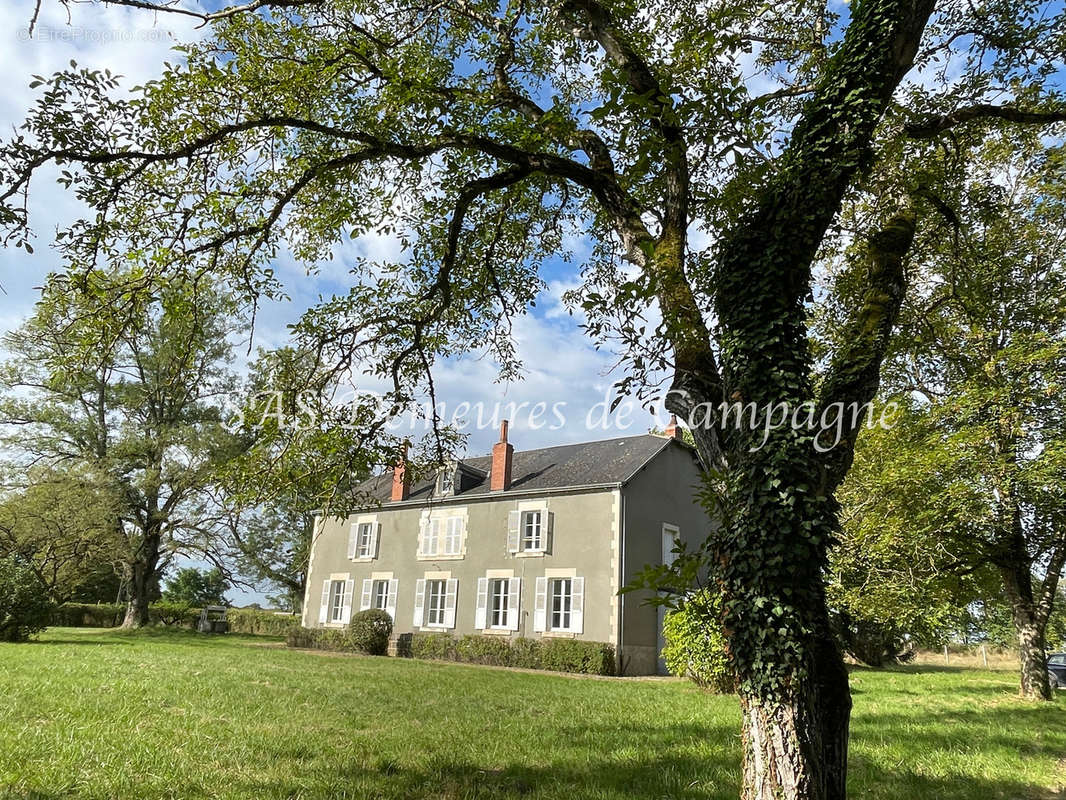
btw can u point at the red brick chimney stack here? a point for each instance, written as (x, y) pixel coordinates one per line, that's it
(502, 452)
(401, 480)
(673, 430)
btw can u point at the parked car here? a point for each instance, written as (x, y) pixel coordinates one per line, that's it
(1056, 670)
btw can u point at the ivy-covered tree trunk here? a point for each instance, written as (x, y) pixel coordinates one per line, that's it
(797, 747)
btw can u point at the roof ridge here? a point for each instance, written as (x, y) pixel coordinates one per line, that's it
(574, 444)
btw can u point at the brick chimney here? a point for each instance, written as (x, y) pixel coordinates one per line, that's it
(401, 480)
(502, 451)
(673, 430)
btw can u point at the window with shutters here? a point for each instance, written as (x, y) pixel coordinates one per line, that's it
(529, 530)
(436, 594)
(499, 597)
(336, 601)
(532, 537)
(364, 540)
(380, 595)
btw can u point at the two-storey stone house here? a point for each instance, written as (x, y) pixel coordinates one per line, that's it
(528, 543)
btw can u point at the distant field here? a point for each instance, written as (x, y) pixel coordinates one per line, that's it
(100, 714)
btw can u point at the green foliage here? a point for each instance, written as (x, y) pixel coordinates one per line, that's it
(324, 121)
(576, 655)
(369, 631)
(88, 615)
(434, 646)
(64, 521)
(892, 572)
(122, 378)
(965, 491)
(336, 639)
(695, 644)
(560, 655)
(176, 613)
(196, 587)
(259, 622)
(24, 605)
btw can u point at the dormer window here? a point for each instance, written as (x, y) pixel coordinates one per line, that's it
(446, 480)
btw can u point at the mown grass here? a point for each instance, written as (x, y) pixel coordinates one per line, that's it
(102, 714)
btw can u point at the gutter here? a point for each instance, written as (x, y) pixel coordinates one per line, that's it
(487, 497)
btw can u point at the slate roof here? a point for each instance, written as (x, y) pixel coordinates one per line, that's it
(610, 461)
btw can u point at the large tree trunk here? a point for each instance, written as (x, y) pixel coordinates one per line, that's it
(1033, 655)
(798, 749)
(1029, 628)
(1030, 620)
(141, 579)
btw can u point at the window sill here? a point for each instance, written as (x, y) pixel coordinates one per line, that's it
(559, 634)
(530, 554)
(363, 559)
(497, 631)
(435, 628)
(458, 557)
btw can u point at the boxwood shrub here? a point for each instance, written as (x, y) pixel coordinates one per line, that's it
(369, 631)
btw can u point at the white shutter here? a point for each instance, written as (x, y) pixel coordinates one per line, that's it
(323, 612)
(514, 602)
(540, 606)
(375, 531)
(423, 537)
(449, 602)
(420, 601)
(430, 537)
(368, 588)
(353, 541)
(577, 605)
(514, 531)
(549, 531)
(453, 541)
(481, 614)
(346, 602)
(390, 601)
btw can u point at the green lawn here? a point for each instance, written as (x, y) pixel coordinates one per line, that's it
(90, 713)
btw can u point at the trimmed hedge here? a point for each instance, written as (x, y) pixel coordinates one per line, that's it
(341, 640)
(560, 655)
(260, 623)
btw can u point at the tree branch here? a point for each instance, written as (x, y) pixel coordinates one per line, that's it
(854, 373)
(931, 126)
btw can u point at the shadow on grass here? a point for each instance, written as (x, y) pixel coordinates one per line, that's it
(156, 635)
(95, 642)
(640, 764)
(669, 776)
